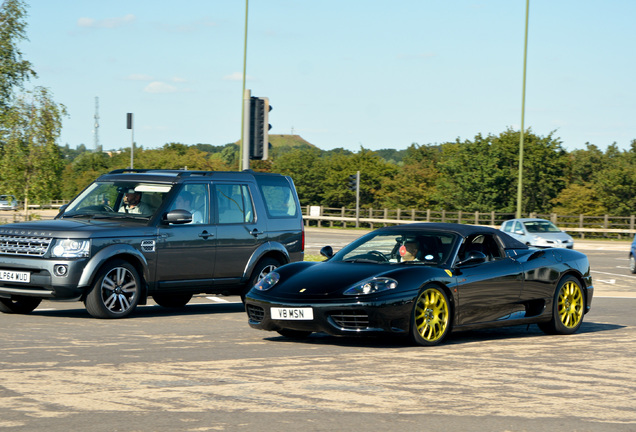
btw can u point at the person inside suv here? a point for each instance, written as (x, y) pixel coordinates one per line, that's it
(132, 204)
(184, 202)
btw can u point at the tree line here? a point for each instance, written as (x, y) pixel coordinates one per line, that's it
(471, 175)
(479, 174)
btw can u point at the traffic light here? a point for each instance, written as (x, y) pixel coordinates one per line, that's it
(353, 182)
(259, 128)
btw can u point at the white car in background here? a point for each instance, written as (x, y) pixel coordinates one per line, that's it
(8, 202)
(538, 233)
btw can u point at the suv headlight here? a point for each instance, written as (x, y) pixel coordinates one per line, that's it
(71, 248)
(372, 286)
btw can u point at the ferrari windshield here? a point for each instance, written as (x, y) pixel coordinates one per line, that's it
(407, 247)
(118, 200)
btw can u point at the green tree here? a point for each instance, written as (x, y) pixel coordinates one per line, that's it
(14, 70)
(413, 185)
(481, 175)
(31, 163)
(578, 199)
(306, 167)
(338, 166)
(615, 185)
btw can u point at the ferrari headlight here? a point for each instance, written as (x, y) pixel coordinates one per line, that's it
(372, 286)
(267, 282)
(71, 248)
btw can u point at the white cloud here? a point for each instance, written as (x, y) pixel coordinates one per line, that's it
(178, 80)
(106, 22)
(159, 87)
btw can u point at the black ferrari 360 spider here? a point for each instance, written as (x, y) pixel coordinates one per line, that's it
(425, 280)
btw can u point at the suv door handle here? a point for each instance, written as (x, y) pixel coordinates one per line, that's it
(255, 232)
(205, 235)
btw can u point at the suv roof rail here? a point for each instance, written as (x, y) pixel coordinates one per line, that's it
(182, 172)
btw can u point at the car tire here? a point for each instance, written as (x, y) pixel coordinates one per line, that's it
(19, 305)
(632, 264)
(115, 292)
(294, 334)
(262, 269)
(568, 308)
(172, 300)
(431, 316)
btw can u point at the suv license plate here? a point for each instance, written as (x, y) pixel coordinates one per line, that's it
(13, 276)
(292, 313)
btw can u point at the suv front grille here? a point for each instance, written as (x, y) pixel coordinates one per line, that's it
(255, 313)
(24, 245)
(351, 320)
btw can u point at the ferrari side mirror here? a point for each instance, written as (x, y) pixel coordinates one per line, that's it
(326, 251)
(474, 257)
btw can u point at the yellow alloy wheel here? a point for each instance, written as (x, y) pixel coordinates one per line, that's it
(431, 316)
(570, 304)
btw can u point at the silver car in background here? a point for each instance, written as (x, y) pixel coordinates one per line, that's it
(538, 233)
(8, 202)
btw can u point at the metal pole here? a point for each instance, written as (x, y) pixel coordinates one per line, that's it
(132, 146)
(243, 163)
(357, 199)
(523, 108)
(245, 132)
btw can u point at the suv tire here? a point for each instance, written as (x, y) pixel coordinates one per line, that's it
(115, 292)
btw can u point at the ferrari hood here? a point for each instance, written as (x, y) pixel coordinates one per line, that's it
(329, 279)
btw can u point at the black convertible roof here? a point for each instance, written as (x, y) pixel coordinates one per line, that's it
(460, 229)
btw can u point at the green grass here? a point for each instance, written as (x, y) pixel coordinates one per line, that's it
(312, 257)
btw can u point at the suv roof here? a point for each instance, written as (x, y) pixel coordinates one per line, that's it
(174, 176)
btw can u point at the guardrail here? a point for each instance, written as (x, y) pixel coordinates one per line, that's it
(580, 225)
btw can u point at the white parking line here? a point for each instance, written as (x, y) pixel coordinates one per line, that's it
(614, 274)
(218, 299)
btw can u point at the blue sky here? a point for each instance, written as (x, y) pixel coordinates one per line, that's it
(339, 73)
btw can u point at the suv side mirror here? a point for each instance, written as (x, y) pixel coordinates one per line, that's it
(178, 217)
(474, 257)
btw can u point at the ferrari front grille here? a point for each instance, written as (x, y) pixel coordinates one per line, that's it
(255, 313)
(351, 320)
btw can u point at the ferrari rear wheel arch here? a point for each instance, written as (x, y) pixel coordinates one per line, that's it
(432, 315)
(568, 307)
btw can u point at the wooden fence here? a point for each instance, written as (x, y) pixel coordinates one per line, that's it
(583, 226)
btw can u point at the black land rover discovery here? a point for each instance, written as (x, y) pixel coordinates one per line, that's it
(161, 233)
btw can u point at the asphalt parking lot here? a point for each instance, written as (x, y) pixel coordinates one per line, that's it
(203, 369)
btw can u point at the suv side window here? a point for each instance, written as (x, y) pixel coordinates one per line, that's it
(507, 226)
(193, 198)
(278, 197)
(234, 203)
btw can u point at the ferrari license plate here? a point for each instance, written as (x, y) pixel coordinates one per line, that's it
(14, 276)
(292, 313)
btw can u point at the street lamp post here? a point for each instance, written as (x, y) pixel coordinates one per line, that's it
(523, 108)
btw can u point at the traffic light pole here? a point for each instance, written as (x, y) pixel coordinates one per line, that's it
(245, 145)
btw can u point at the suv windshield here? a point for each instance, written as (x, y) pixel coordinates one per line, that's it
(117, 200)
(412, 247)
